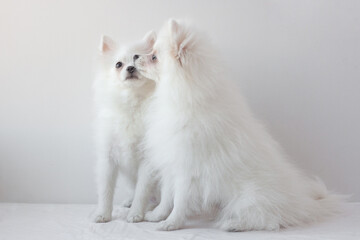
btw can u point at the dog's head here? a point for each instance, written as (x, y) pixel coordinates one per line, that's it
(178, 50)
(118, 62)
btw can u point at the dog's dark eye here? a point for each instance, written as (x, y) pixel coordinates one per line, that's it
(118, 65)
(153, 57)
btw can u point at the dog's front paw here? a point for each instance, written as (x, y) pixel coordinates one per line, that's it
(168, 226)
(102, 218)
(134, 217)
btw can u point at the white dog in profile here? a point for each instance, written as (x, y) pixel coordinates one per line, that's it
(209, 150)
(121, 95)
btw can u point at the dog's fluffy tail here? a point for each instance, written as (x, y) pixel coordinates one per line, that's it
(269, 213)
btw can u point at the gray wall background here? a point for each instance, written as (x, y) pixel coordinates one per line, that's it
(298, 63)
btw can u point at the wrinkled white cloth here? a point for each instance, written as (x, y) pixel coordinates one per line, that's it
(67, 222)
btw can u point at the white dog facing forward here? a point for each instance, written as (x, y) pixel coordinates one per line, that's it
(121, 95)
(210, 152)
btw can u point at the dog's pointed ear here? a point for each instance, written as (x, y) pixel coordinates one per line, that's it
(150, 38)
(173, 26)
(106, 44)
(181, 39)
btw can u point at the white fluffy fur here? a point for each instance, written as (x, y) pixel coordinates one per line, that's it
(209, 150)
(121, 99)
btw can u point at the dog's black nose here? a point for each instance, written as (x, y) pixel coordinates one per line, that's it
(136, 57)
(130, 69)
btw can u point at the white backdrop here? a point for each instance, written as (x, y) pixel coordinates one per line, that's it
(298, 63)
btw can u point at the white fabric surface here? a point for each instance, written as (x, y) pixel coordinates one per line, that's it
(67, 222)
